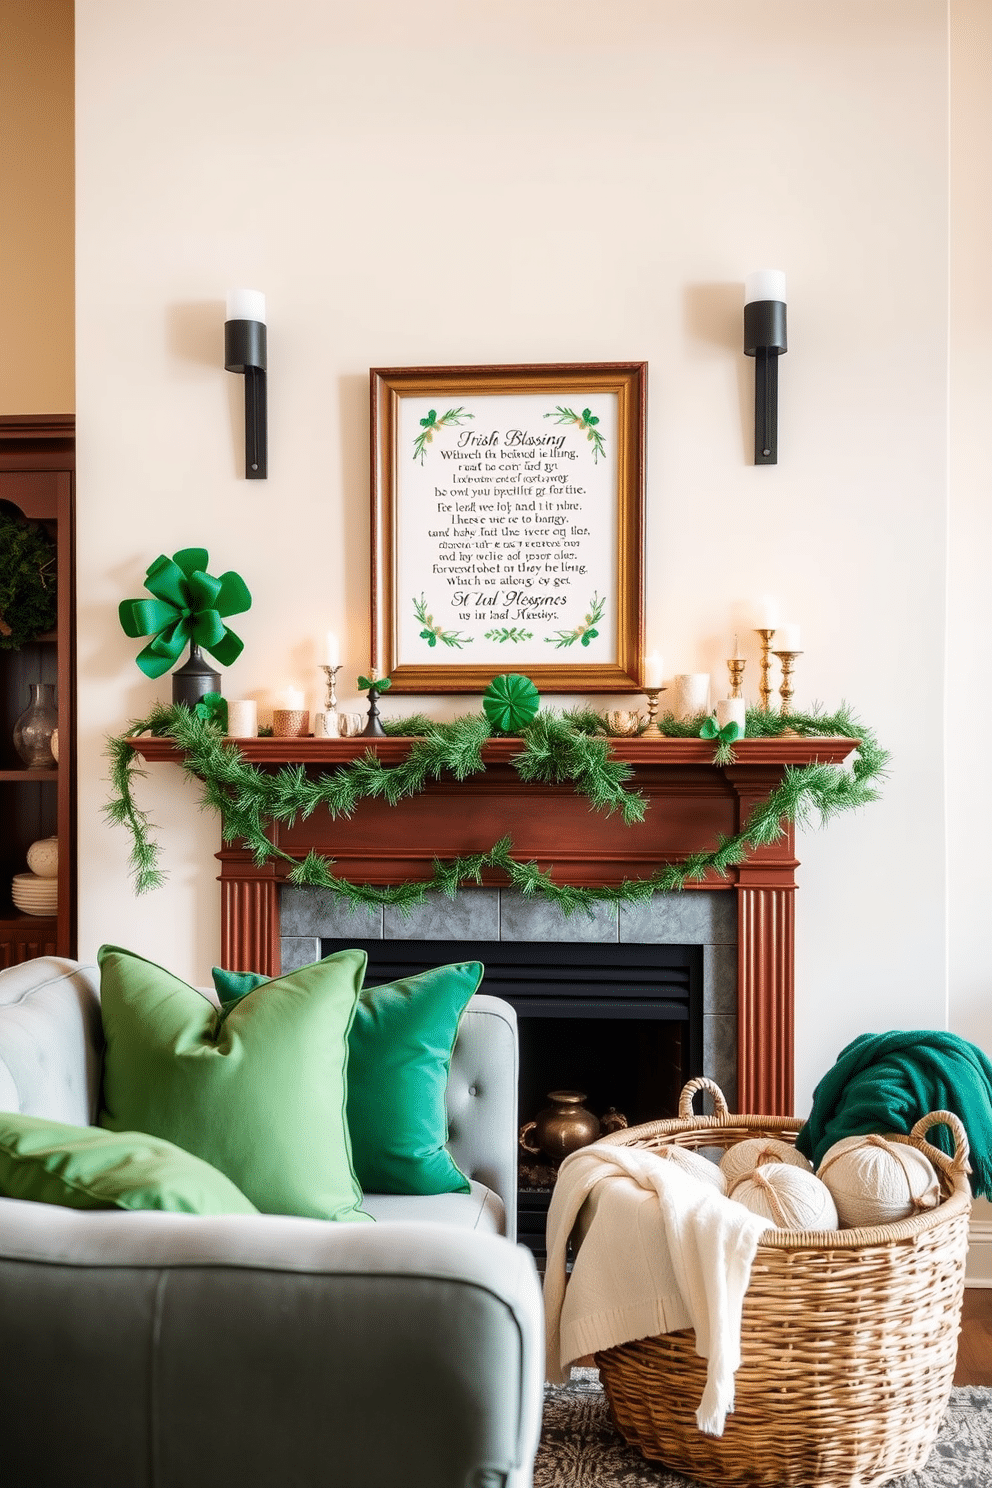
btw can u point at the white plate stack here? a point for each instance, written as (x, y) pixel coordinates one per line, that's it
(33, 895)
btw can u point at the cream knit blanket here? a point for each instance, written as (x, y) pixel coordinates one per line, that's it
(661, 1251)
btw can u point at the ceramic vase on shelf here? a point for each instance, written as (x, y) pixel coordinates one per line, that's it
(34, 729)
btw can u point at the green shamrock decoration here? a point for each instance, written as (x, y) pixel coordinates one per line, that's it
(212, 708)
(188, 605)
(510, 702)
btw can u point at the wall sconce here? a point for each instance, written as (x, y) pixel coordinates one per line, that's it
(765, 340)
(245, 351)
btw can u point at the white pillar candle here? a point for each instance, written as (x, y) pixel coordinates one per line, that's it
(292, 697)
(730, 710)
(766, 613)
(333, 649)
(692, 691)
(242, 719)
(652, 670)
(786, 638)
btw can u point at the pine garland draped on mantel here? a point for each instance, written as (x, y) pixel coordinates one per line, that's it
(557, 748)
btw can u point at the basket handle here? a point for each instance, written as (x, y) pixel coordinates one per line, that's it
(702, 1083)
(959, 1162)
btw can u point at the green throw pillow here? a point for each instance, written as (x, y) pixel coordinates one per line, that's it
(399, 1053)
(84, 1167)
(257, 1089)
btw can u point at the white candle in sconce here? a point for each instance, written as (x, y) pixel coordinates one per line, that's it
(652, 670)
(333, 648)
(292, 697)
(786, 638)
(730, 710)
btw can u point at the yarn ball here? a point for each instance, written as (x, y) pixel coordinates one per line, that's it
(694, 1163)
(792, 1198)
(875, 1181)
(757, 1152)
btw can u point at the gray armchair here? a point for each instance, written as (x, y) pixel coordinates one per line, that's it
(191, 1352)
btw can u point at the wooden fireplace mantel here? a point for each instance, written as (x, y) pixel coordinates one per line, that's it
(692, 803)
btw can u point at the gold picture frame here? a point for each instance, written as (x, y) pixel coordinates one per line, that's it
(508, 525)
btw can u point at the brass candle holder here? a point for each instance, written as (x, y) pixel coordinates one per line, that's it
(764, 687)
(652, 694)
(735, 666)
(788, 660)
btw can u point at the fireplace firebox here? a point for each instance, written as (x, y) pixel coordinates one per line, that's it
(623, 1023)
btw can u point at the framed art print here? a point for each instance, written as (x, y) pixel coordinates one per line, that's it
(507, 525)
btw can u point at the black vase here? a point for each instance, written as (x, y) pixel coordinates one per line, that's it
(194, 678)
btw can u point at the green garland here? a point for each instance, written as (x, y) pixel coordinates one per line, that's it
(571, 747)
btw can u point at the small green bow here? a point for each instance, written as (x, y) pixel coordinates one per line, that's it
(188, 605)
(212, 708)
(381, 684)
(726, 735)
(510, 702)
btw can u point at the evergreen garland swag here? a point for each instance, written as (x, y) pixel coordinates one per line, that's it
(557, 747)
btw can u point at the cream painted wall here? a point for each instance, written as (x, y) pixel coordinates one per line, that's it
(969, 708)
(36, 241)
(520, 181)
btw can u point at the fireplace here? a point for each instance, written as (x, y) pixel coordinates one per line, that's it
(620, 1021)
(692, 803)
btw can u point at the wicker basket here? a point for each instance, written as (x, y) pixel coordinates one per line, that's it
(848, 1337)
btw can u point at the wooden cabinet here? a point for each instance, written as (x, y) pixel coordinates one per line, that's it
(37, 479)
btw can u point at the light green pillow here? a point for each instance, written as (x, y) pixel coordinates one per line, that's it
(257, 1089)
(84, 1167)
(399, 1055)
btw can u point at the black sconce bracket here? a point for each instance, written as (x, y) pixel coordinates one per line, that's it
(765, 339)
(246, 351)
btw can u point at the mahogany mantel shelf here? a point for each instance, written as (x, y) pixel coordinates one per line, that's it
(692, 802)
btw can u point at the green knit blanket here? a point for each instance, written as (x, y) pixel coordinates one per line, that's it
(887, 1081)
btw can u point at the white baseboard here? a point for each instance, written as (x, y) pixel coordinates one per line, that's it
(978, 1271)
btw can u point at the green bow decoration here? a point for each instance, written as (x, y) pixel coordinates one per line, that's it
(212, 708)
(726, 735)
(381, 684)
(510, 702)
(188, 605)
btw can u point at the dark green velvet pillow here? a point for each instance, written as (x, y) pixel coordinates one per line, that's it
(85, 1167)
(257, 1089)
(399, 1054)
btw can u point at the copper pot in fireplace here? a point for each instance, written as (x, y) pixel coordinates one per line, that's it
(561, 1128)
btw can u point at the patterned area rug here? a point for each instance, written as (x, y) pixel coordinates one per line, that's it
(581, 1449)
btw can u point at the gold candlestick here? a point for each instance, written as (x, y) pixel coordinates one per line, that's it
(735, 666)
(652, 694)
(764, 687)
(787, 658)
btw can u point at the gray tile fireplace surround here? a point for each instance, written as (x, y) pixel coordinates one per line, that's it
(706, 918)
